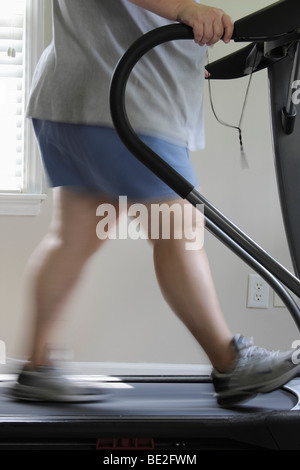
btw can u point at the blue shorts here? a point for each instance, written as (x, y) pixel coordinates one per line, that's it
(93, 158)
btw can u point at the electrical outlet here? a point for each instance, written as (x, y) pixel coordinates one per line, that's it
(258, 292)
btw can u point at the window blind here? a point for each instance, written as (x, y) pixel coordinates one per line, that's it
(12, 96)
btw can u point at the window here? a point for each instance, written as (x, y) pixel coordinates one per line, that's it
(21, 43)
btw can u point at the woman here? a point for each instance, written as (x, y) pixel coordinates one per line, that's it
(87, 166)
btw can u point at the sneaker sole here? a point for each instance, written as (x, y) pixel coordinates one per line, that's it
(242, 394)
(233, 400)
(280, 381)
(23, 393)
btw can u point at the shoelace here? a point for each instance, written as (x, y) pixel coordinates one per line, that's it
(250, 350)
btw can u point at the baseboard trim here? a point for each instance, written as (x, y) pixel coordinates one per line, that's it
(118, 369)
(125, 369)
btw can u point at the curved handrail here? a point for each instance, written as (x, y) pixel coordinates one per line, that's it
(274, 273)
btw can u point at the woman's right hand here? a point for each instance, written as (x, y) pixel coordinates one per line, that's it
(209, 24)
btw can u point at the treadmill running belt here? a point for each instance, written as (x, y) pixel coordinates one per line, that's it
(168, 411)
(149, 399)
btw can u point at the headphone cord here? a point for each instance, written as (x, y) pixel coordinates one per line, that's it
(244, 161)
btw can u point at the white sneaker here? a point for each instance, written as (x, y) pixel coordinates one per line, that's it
(49, 385)
(256, 370)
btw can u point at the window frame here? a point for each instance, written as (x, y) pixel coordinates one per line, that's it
(29, 201)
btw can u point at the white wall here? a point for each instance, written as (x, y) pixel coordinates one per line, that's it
(117, 313)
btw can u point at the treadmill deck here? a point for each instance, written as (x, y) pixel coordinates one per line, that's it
(172, 411)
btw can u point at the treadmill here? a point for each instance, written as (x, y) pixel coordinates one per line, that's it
(179, 413)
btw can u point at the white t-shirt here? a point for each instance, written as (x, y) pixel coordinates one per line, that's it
(164, 95)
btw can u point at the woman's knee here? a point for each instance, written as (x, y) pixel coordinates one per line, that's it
(74, 223)
(176, 223)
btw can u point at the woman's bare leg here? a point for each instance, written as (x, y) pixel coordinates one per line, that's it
(57, 264)
(186, 283)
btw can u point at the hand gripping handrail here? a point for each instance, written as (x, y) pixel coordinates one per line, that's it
(277, 276)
